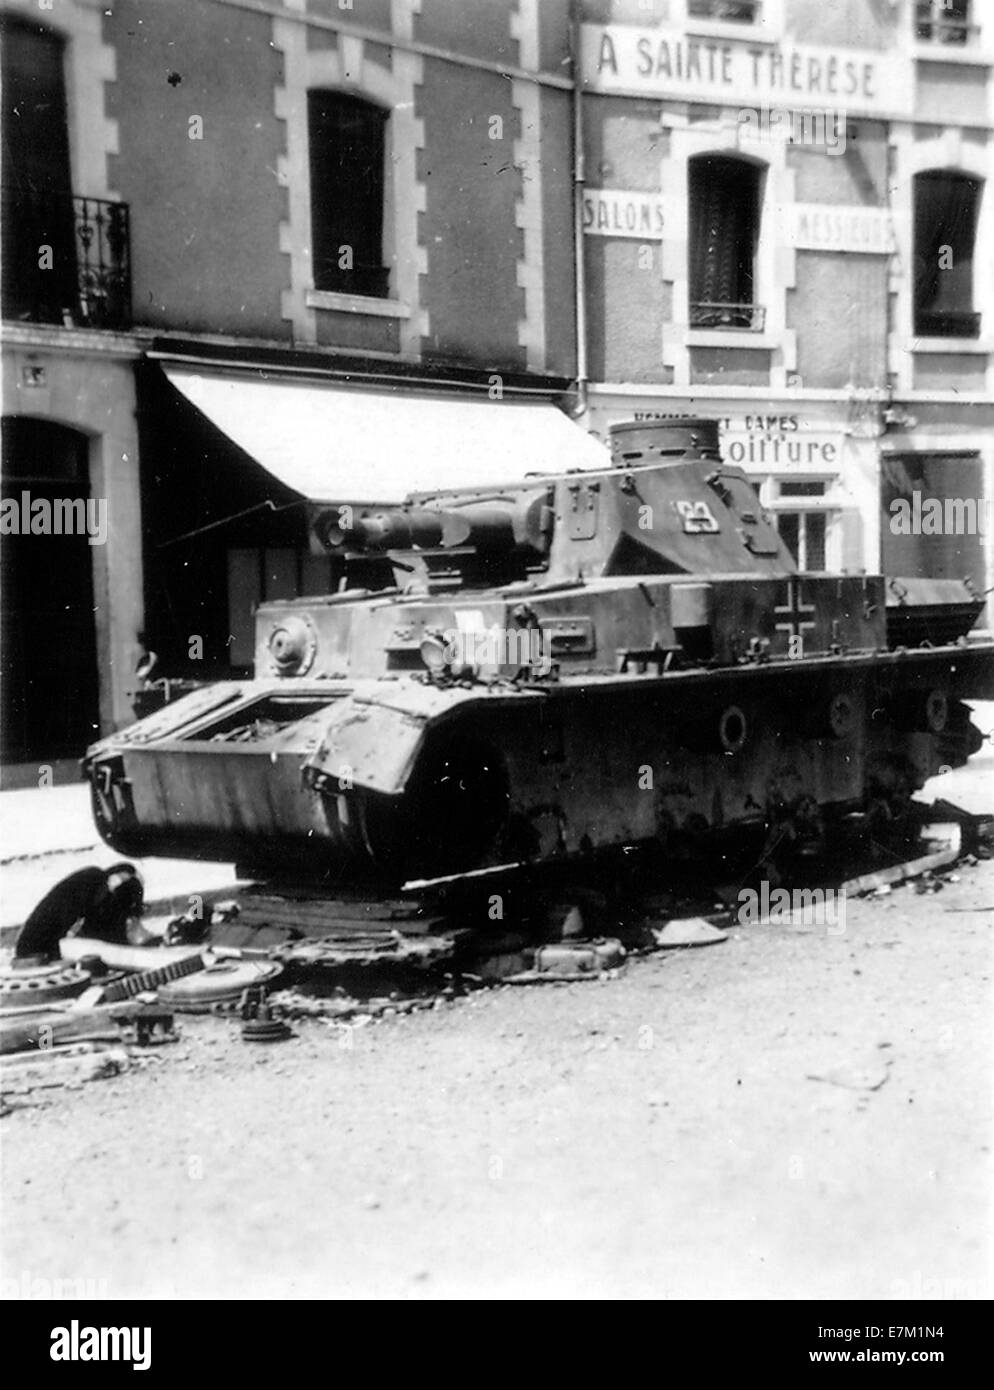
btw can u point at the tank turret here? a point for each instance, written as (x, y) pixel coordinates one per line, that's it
(666, 505)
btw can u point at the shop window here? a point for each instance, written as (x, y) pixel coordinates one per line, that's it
(804, 535)
(726, 11)
(946, 207)
(725, 196)
(347, 143)
(945, 21)
(934, 517)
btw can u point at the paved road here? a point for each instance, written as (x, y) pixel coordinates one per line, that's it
(796, 1113)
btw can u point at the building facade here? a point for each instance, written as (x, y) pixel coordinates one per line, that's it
(238, 233)
(789, 224)
(212, 196)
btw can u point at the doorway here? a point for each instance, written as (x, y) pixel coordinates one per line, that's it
(49, 696)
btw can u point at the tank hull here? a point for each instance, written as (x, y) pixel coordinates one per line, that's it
(574, 664)
(388, 780)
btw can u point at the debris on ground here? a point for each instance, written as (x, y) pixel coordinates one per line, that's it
(342, 962)
(569, 960)
(221, 982)
(950, 837)
(687, 931)
(66, 1065)
(259, 1022)
(855, 1076)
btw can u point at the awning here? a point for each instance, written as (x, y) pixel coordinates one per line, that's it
(334, 443)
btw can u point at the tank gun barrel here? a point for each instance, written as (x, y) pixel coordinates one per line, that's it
(487, 528)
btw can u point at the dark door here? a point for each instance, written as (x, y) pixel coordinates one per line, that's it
(48, 666)
(37, 210)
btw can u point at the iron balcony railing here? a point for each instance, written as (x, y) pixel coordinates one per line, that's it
(728, 11)
(67, 259)
(711, 315)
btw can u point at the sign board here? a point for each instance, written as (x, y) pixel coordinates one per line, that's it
(660, 62)
(619, 212)
(826, 227)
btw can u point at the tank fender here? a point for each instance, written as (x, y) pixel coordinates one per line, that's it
(373, 737)
(365, 745)
(172, 718)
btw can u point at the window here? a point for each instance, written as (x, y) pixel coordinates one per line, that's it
(84, 277)
(808, 489)
(727, 11)
(944, 21)
(946, 206)
(347, 141)
(803, 533)
(934, 517)
(724, 231)
(37, 206)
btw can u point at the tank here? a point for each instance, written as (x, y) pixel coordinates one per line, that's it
(584, 662)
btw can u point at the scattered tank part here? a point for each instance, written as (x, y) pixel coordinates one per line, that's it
(344, 1009)
(224, 982)
(45, 1029)
(260, 1023)
(129, 986)
(28, 984)
(565, 668)
(515, 964)
(266, 1029)
(686, 932)
(99, 903)
(948, 837)
(304, 925)
(393, 948)
(115, 957)
(569, 961)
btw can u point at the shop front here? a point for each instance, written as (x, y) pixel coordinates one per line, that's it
(815, 465)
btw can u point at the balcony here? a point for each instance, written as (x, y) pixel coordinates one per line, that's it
(725, 11)
(67, 260)
(945, 23)
(751, 317)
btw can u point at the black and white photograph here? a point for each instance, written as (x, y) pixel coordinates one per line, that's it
(497, 663)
